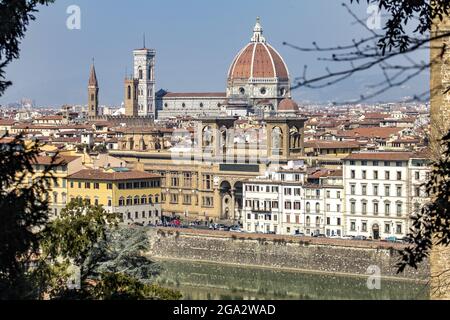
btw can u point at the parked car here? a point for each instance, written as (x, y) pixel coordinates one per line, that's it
(360, 238)
(299, 234)
(391, 239)
(335, 236)
(222, 227)
(348, 237)
(319, 235)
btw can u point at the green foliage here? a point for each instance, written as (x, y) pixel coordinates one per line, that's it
(15, 15)
(23, 213)
(110, 259)
(75, 233)
(401, 13)
(123, 252)
(432, 225)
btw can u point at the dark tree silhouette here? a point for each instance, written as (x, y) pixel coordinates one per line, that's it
(23, 213)
(408, 29)
(15, 15)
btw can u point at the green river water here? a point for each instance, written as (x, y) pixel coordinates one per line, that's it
(200, 281)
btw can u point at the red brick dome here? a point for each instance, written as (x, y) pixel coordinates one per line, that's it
(258, 59)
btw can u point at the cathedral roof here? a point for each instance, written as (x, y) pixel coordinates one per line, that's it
(258, 59)
(288, 105)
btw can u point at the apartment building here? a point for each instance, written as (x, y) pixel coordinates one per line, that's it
(382, 190)
(134, 195)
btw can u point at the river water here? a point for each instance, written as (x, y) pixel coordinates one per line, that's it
(207, 281)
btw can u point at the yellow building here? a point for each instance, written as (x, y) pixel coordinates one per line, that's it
(135, 195)
(57, 187)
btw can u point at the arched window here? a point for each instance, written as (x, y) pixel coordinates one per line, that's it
(308, 220)
(317, 221)
(129, 201)
(156, 199)
(144, 200)
(308, 207)
(129, 92)
(140, 74)
(92, 97)
(55, 197)
(317, 207)
(136, 200)
(150, 199)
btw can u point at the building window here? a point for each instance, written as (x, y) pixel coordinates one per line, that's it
(109, 186)
(399, 175)
(375, 190)
(364, 174)
(187, 179)
(338, 194)
(121, 201)
(207, 181)
(398, 229)
(387, 208)
(352, 226)
(387, 191)
(143, 200)
(87, 185)
(353, 207)
(308, 207)
(364, 207)
(297, 205)
(364, 189)
(187, 199)
(417, 174)
(287, 205)
(317, 207)
(352, 174)
(387, 175)
(375, 208)
(287, 191)
(173, 198)
(364, 227)
(96, 185)
(352, 189)
(129, 201)
(375, 175)
(399, 209)
(399, 191)
(387, 228)
(208, 201)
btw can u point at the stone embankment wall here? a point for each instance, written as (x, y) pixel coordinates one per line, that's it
(332, 256)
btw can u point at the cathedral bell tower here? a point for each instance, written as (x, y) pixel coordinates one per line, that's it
(131, 97)
(93, 93)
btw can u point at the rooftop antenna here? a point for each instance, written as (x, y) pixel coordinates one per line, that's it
(144, 40)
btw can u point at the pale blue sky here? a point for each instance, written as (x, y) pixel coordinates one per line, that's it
(195, 42)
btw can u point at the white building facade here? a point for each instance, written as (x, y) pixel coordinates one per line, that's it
(381, 192)
(144, 66)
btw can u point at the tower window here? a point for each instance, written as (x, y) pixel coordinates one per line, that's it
(263, 91)
(140, 73)
(92, 97)
(241, 90)
(129, 92)
(201, 104)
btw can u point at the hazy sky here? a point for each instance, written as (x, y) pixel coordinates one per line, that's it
(195, 42)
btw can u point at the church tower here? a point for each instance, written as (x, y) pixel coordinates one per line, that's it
(131, 97)
(93, 93)
(144, 66)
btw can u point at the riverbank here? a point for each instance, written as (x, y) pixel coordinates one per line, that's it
(311, 255)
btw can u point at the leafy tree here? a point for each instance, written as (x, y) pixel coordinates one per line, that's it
(122, 252)
(110, 261)
(431, 226)
(15, 15)
(23, 213)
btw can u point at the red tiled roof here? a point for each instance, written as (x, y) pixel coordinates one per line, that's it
(60, 159)
(97, 174)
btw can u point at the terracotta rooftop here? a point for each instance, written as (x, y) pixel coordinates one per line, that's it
(47, 160)
(97, 174)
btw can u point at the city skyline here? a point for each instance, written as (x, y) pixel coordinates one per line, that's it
(57, 81)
